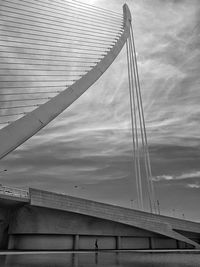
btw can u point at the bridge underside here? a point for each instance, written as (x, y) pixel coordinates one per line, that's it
(48, 221)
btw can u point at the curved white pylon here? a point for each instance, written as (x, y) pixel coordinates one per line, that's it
(21, 130)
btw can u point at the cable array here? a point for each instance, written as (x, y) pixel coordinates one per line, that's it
(139, 137)
(46, 46)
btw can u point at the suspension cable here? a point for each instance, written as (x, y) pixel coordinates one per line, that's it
(94, 7)
(51, 17)
(141, 126)
(62, 23)
(138, 122)
(89, 48)
(58, 30)
(66, 49)
(54, 39)
(132, 124)
(147, 157)
(63, 10)
(46, 47)
(136, 127)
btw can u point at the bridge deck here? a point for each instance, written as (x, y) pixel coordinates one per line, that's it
(93, 208)
(164, 225)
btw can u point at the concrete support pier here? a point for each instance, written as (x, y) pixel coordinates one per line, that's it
(118, 242)
(151, 246)
(4, 225)
(76, 242)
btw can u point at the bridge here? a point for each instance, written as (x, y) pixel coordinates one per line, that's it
(42, 220)
(56, 52)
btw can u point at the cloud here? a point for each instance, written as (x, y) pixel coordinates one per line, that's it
(163, 177)
(166, 42)
(90, 143)
(183, 176)
(195, 186)
(189, 175)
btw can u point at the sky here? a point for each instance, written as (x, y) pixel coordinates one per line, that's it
(87, 151)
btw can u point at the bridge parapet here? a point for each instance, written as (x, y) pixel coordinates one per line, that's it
(14, 192)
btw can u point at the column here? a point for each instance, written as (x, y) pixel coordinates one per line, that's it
(76, 242)
(118, 242)
(151, 243)
(177, 244)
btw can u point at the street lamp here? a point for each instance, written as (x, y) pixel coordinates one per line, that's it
(173, 212)
(158, 205)
(5, 170)
(132, 203)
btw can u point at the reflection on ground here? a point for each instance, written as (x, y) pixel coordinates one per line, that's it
(101, 259)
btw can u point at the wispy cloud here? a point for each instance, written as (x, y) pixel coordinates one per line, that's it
(195, 186)
(90, 143)
(183, 176)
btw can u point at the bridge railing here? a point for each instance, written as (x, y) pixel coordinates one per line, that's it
(16, 192)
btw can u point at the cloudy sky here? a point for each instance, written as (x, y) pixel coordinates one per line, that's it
(86, 151)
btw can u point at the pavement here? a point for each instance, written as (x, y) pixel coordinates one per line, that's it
(174, 251)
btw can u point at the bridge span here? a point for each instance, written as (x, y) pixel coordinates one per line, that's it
(42, 220)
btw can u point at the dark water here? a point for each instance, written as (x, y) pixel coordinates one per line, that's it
(102, 259)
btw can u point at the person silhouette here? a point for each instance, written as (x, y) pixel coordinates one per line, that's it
(96, 244)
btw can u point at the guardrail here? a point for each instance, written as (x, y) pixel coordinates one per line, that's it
(16, 192)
